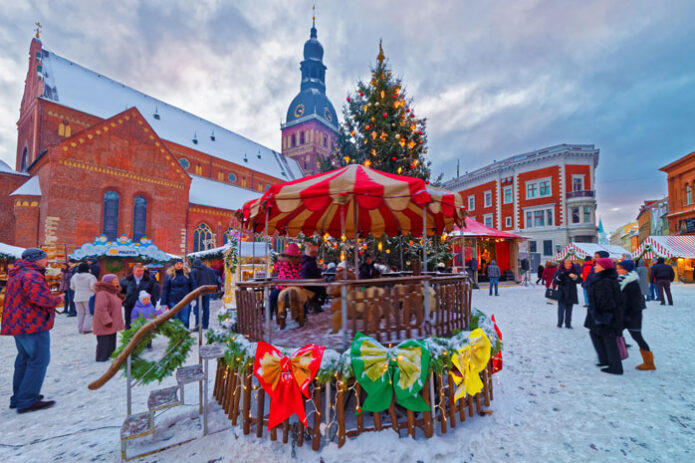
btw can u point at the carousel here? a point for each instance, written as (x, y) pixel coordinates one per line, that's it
(408, 353)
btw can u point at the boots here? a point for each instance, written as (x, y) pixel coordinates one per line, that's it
(648, 358)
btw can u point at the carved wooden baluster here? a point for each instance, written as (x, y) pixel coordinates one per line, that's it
(377, 421)
(411, 424)
(360, 417)
(394, 417)
(300, 434)
(246, 407)
(260, 411)
(274, 434)
(486, 388)
(429, 429)
(469, 399)
(462, 409)
(478, 405)
(452, 404)
(442, 404)
(340, 407)
(285, 431)
(228, 394)
(238, 390)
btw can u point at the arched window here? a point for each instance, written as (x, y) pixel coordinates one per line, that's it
(688, 194)
(139, 218)
(228, 236)
(302, 140)
(25, 161)
(202, 238)
(110, 229)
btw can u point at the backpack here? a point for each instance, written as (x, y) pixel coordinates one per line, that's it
(91, 304)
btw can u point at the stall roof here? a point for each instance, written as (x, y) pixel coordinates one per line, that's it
(583, 250)
(478, 230)
(672, 246)
(8, 250)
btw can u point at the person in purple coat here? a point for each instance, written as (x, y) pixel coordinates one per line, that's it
(143, 308)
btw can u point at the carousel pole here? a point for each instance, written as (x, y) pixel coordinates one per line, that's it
(424, 238)
(268, 327)
(426, 281)
(343, 288)
(357, 234)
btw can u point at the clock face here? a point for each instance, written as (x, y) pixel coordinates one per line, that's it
(327, 114)
(299, 110)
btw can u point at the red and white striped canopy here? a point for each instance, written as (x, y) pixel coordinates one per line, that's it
(669, 247)
(574, 251)
(354, 198)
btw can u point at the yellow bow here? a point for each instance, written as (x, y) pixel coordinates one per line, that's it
(470, 361)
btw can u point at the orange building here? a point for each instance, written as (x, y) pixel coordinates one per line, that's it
(681, 200)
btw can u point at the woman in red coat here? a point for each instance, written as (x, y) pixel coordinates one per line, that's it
(108, 315)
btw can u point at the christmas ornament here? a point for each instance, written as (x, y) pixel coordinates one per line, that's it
(393, 158)
(383, 372)
(468, 362)
(348, 99)
(385, 115)
(286, 379)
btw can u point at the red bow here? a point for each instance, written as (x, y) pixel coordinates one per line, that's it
(497, 359)
(286, 379)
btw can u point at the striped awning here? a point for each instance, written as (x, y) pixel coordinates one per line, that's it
(574, 251)
(668, 247)
(356, 199)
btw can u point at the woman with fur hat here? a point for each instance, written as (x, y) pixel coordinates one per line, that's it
(633, 303)
(606, 310)
(288, 267)
(177, 283)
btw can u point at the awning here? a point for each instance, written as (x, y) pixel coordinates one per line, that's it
(121, 247)
(8, 251)
(584, 250)
(475, 229)
(669, 247)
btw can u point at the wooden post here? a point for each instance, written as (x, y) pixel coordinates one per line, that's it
(246, 406)
(285, 431)
(218, 377)
(486, 389)
(469, 398)
(274, 434)
(452, 404)
(316, 439)
(300, 434)
(490, 368)
(478, 405)
(236, 389)
(411, 423)
(429, 431)
(360, 416)
(442, 404)
(377, 421)
(462, 409)
(340, 407)
(394, 418)
(260, 411)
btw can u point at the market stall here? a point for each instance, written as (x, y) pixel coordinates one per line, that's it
(580, 251)
(680, 250)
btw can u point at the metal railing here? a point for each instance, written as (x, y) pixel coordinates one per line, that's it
(581, 194)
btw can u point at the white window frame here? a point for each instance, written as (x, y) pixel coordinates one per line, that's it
(471, 202)
(491, 218)
(485, 197)
(511, 194)
(537, 183)
(508, 222)
(579, 177)
(545, 208)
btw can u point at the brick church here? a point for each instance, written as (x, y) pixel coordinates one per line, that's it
(95, 156)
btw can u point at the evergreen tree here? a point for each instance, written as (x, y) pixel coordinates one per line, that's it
(380, 128)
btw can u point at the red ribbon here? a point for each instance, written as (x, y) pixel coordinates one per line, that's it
(497, 359)
(286, 379)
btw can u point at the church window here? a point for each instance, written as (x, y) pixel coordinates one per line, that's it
(25, 161)
(184, 163)
(325, 141)
(139, 218)
(231, 177)
(220, 176)
(260, 187)
(202, 238)
(199, 169)
(294, 140)
(110, 222)
(64, 129)
(228, 236)
(301, 138)
(688, 195)
(243, 182)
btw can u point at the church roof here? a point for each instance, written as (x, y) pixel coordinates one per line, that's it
(6, 169)
(29, 188)
(207, 192)
(77, 87)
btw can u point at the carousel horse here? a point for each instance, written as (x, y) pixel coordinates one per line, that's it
(294, 298)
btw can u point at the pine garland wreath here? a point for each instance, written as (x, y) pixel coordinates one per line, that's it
(147, 371)
(113, 264)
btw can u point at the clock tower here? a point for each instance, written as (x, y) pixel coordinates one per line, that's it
(311, 127)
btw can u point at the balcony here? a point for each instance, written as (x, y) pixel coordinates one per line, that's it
(581, 194)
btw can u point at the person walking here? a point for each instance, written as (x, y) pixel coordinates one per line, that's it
(548, 274)
(131, 286)
(66, 274)
(108, 316)
(539, 274)
(605, 304)
(28, 316)
(203, 276)
(633, 304)
(493, 273)
(663, 275)
(587, 267)
(83, 286)
(643, 274)
(652, 292)
(177, 284)
(567, 278)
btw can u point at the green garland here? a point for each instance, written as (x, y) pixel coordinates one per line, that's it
(180, 343)
(231, 256)
(113, 264)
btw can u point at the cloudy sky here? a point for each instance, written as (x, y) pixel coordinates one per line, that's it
(494, 78)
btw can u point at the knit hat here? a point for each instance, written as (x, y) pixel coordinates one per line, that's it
(605, 262)
(627, 264)
(177, 260)
(144, 295)
(108, 278)
(292, 250)
(603, 254)
(33, 254)
(83, 267)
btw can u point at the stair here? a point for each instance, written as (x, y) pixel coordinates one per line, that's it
(137, 425)
(161, 399)
(189, 374)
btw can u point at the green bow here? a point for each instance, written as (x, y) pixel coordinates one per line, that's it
(383, 371)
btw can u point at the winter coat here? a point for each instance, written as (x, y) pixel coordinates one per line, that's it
(83, 285)
(146, 311)
(548, 275)
(539, 271)
(566, 286)
(587, 267)
(605, 303)
(310, 268)
(65, 276)
(368, 271)
(203, 275)
(131, 289)
(288, 268)
(108, 315)
(29, 305)
(95, 270)
(177, 284)
(632, 300)
(643, 273)
(662, 272)
(493, 271)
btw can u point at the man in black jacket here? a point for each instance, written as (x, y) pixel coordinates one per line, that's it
(203, 276)
(137, 281)
(606, 304)
(310, 270)
(663, 275)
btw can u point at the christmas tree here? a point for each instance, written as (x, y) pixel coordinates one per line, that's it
(380, 129)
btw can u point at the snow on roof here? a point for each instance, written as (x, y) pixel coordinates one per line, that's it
(206, 192)
(8, 250)
(248, 249)
(5, 168)
(30, 188)
(77, 87)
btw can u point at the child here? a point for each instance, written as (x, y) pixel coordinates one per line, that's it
(143, 308)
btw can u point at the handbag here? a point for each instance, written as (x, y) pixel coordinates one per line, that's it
(622, 349)
(91, 304)
(552, 294)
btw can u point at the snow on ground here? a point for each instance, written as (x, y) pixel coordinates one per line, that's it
(551, 402)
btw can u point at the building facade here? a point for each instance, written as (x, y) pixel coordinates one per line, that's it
(547, 195)
(95, 156)
(626, 236)
(652, 219)
(681, 198)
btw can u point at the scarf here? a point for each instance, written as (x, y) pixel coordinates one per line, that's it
(624, 280)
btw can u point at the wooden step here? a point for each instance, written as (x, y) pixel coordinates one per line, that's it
(137, 425)
(212, 351)
(189, 374)
(163, 398)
